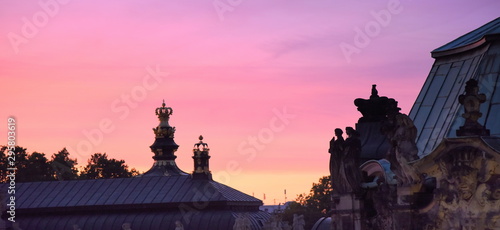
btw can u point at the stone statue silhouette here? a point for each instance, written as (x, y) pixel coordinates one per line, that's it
(337, 174)
(352, 150)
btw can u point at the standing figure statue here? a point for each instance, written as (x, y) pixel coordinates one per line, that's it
(352, 150)
(337, 174)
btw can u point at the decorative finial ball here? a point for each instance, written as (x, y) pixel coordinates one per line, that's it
(201, 138)
(163, 104)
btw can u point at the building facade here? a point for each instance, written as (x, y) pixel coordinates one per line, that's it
(439, 166)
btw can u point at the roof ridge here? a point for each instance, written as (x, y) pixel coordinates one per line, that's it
(471, 37)
(218, 186)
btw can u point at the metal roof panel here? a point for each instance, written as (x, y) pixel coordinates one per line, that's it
(490, 28)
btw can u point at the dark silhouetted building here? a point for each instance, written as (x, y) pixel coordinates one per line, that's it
(164, 197)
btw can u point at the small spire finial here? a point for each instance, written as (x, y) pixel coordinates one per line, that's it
(163, 104)
(374, 91)
(201, 160)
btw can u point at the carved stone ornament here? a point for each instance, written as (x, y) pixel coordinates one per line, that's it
(161, 132)
(401, 132)
(472, 100)
(468, 193)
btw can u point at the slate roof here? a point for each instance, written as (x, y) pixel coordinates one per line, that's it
(437, 112)
(492, 142)
(142, 201)
(200, 220)
(101, 194)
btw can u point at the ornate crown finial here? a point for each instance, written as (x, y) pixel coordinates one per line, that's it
(201, 145)
(163, 112)
(201, 160)
(164, 129)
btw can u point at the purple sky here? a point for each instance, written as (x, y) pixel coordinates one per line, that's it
(67, 66)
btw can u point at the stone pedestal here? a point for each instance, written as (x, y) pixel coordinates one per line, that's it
(403, 213)
(346, 214)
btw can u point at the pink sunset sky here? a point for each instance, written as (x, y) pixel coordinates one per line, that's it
(229, 69)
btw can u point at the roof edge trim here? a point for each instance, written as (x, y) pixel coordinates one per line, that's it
(480, 42)
(473, 39)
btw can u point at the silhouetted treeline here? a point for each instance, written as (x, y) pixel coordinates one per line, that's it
(313, 206)
(36, 167)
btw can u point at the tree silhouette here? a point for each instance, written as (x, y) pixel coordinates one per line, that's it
(63, 166)
(314, 205)
(99, 166)
(319, 197)
(20, 162)
(36, 167)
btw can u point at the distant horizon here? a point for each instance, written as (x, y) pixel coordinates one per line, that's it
(265, 83)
